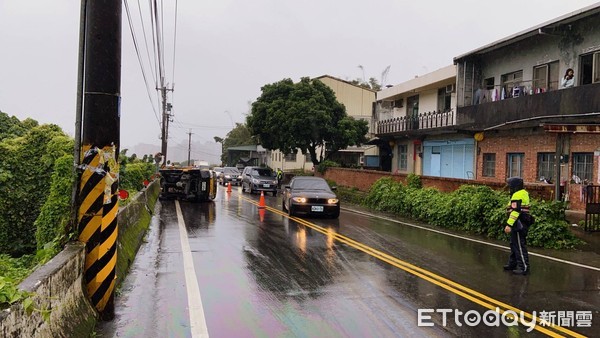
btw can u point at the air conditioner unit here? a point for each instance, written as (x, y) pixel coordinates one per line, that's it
(451, 88)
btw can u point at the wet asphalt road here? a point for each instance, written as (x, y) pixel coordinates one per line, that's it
(262, 274)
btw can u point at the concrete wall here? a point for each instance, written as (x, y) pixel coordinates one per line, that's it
(357, 100)
(565, 46)
(57, 286)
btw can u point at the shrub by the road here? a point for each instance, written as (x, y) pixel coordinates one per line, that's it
(473, 209)
(133, 174)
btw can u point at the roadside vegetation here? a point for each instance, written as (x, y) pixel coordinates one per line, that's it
(36, 181)
(472, 209)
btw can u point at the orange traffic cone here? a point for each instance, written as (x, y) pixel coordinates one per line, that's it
(261, 201)
(229, 187)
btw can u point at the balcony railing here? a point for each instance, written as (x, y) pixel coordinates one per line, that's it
(428, 120)
(558, 105)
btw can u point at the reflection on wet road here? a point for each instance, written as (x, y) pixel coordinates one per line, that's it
(261, 273)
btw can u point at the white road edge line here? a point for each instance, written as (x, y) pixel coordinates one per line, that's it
(472, 240)
(197, 320)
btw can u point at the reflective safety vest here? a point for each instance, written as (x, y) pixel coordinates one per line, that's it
(519, 202)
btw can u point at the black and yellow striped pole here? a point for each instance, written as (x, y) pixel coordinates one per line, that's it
(99, 166)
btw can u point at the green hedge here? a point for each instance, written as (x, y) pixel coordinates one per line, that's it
(132, 175)
(473, 209)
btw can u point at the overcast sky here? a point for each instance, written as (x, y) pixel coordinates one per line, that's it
(226, 50)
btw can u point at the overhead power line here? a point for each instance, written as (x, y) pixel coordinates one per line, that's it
(154, 18)
(146, 42)
(137, 51)
(174, 42)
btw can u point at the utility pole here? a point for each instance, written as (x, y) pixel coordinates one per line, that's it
(166, 108)
(189, 145)
(99, 166)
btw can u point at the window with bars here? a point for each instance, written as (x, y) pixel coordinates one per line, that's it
(489, 165)
(546, 166)
(515, 165)
(583, 165)
(402, 157)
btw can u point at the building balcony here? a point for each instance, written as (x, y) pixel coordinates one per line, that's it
(415, 124)
(579, 104)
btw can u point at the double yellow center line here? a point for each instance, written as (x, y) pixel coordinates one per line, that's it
(456, 288)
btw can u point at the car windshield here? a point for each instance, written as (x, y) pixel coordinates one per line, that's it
(261, 172)
(231, 171)
(310, 185)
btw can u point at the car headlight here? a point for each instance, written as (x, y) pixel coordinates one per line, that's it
(299, 199)
(332, 201)
(227, 176)
(255, 181)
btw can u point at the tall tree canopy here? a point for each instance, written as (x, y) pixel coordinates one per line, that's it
(10, 126)
(306, 116)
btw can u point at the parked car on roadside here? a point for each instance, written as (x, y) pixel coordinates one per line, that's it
(230, 175)
(310, 195)
(259, 179)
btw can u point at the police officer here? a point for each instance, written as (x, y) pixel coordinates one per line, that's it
(517, 226)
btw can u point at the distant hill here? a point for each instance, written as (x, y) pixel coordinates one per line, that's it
(204, 151)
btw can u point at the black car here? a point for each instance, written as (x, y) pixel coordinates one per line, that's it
(259, 179)
(230, 175)
(309, 195)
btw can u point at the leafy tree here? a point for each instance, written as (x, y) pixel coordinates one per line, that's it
(26, 167)
(10, 126)
(306, 116)
(53, 220)
(238, 136)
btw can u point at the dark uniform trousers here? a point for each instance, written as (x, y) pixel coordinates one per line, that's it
(519, 257)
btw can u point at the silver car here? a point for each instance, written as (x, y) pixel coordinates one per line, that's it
(230, 175)
(259, 179)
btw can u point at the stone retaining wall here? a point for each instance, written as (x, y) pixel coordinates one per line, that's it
(57, 286)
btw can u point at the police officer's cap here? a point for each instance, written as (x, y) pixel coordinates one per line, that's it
(515, 184)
